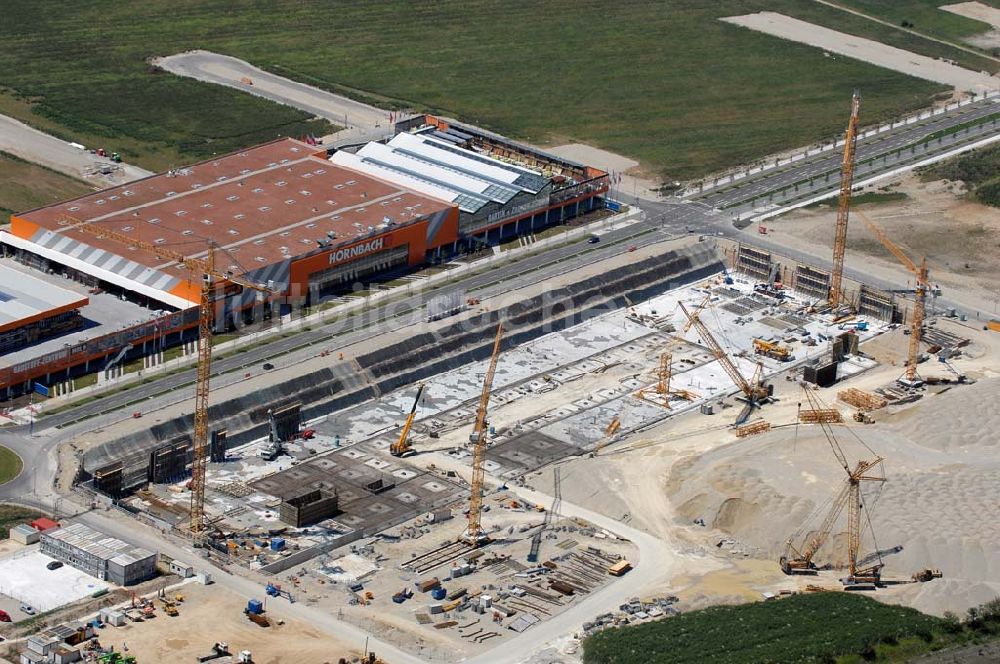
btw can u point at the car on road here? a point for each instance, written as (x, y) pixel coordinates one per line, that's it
(55, 564)
(593, 239)
(268, 366)
(27, 609)
(5, 617)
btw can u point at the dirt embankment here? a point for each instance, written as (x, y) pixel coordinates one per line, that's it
(941, 502)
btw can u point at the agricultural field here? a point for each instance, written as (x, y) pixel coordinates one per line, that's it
(820, 627)
(666, 83)
(24, 186)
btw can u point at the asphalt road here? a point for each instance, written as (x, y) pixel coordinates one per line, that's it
(671, 218)
(822, 163)
(363, 121)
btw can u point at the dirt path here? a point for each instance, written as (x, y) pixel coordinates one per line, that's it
(38, 147)
(866, 50)
(913, 32)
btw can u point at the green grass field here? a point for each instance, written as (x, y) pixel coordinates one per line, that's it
(664, 82)
(10, 465)
(825, 628)
(925, 17)
(24, 186)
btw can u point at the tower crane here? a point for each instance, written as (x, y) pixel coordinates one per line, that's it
(474, 534)
(844, 203)
(799, 559)
(755, 392)
(402, 447)
(911, 378)
(211, 278)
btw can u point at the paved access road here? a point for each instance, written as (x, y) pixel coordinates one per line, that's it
(367, 122)
(672, 218)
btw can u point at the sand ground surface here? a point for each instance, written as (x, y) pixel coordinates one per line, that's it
(866, 50)
(210, 614)
(959, 237)
(942, 466)
(979, 12)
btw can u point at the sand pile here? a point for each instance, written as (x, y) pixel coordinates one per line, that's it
(941, 501)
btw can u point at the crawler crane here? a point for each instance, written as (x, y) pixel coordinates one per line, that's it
(798, 558)
(844, 204)
(754, 392)
(911, 378)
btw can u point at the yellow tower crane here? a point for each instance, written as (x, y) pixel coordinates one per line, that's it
(402, 447)
(911, 378)
(474, 534)
(844, 204)
(799, 559)
(212, 279)
(755, 392)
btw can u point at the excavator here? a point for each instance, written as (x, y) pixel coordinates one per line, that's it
(402, 447)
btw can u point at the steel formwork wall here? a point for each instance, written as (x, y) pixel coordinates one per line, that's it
(877, 304)
(812, 281)
(753, 262)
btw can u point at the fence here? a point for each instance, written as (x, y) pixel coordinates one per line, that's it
(733, 176)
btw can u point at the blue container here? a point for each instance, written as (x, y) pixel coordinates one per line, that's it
(255, 606)
(277, 544)
(439, 593)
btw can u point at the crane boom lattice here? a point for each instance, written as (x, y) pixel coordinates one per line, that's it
(844, 204)
(475, 535)
(211, 279)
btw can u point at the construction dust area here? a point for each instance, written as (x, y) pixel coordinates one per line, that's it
(358, 375)
(417, 585)
(553, 398)
(193, 622)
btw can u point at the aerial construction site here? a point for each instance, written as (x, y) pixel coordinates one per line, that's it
(442, 396)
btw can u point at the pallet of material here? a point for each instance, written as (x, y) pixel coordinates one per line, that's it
(446, 624)
(423, 618)
(428, 584)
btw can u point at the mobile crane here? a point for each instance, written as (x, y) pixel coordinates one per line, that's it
(402, 447)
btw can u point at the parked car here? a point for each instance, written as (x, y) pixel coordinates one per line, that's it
(55, 564)
(593, 239)
(268, 366)
(27, 609)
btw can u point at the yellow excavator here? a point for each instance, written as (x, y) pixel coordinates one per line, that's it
(402, 446)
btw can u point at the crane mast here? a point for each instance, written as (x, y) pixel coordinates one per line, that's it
(849, 496)
(475, 535)
(844, 204)
(211, 278)
(922, 278)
